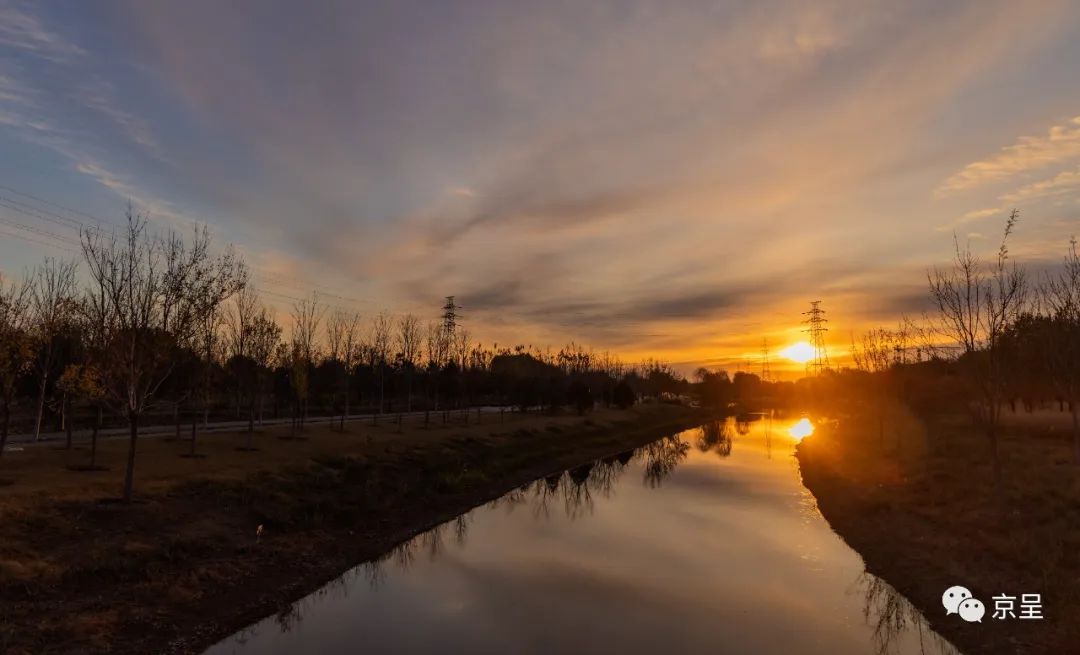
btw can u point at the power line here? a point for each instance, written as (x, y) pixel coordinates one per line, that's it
(39, 242)
(53, 204)
(39, 231)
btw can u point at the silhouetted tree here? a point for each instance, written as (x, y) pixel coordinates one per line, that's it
(52, 298)
(975, 305)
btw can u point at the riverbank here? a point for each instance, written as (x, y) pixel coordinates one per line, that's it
(183, 566)
(922, 513)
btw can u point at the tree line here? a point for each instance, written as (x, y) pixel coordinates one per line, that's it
(164, 329)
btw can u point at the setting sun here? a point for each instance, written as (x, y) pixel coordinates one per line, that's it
(800, 352)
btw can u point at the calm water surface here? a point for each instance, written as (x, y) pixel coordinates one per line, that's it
(703, 542)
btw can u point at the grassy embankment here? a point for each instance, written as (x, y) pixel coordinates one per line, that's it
(927, 518)
(181, 567)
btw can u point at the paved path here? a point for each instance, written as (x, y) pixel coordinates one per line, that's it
(18, 441)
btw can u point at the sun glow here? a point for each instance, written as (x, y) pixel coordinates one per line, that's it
(803, 428)
(800, 352)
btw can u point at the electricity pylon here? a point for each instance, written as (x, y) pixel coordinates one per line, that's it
(815, 327)
(449, 317)
(766, 373)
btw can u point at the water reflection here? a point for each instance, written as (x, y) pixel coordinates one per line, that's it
(716, 437)
(661, 458)
(690, 545)
(894, 620)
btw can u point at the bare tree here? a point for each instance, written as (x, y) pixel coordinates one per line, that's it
(239, 319)
(1061, 294)
(875, 354)
(306, 318)
(52, 295)
(15, 345)
(343, 349)
(350, 356)
(975, 305)
(263, 345)
(142, 302)
(381, 336)
(409, 337)
(437, 351)
(335, 343)
(211, 281)
(461, 343)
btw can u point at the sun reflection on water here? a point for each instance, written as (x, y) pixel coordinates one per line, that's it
(801, 429)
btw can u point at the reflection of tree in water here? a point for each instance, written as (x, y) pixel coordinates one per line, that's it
(891, 615)
(461, 528)
(662, 457)
(577, 498)
(292, 615)
(716, 436)
(289, 617)
(404, 554)
(605, 473)
(432, 540)
(543, 491)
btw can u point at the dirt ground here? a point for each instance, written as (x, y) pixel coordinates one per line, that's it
(922, 509)
(182, 566)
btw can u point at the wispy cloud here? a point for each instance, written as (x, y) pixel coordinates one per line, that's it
(1062, 183)
(34, 110)
(22, 31)
(979, 214)
(1061, 144)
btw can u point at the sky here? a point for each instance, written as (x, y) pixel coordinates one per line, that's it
(653, 178)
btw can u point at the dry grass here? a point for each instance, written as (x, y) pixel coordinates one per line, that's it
(47, 467)
(927, 517)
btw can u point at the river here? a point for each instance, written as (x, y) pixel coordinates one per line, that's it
(702, 542)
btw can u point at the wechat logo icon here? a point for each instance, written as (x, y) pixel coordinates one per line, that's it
(958, 600)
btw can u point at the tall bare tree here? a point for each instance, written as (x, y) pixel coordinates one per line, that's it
(239, 318)
(143, 301)
(975, 305)
(382, 334)
(52, 297)
(350, 356)
(409, 338)
(306, 316)
(263, 342)
(342, 335)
